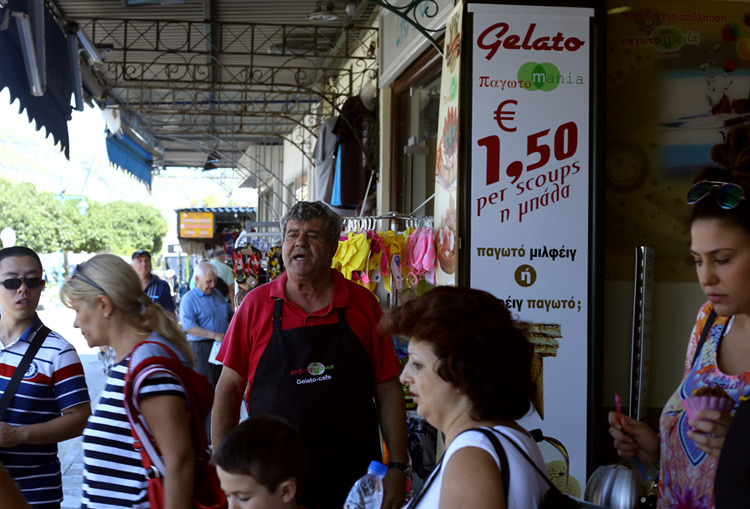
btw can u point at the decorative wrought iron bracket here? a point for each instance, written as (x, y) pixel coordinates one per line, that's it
(430, 9)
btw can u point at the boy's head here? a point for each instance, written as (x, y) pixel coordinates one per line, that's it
(261, 464)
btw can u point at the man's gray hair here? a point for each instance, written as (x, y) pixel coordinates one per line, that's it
(308, 210)
(204, 268)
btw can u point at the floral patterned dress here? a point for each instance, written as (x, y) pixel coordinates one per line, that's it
(686, 480)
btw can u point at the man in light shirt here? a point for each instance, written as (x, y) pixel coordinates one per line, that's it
(204, 315)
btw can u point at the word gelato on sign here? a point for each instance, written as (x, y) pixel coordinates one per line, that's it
(556, 43)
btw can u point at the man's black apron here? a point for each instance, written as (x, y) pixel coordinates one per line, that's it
(319, 379)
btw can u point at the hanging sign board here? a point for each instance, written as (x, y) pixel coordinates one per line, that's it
(196, 225)
(529, 196)
(447, 161)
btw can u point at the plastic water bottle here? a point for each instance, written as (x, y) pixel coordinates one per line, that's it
(367, 492)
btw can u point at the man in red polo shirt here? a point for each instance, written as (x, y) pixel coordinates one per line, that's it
(308, 347)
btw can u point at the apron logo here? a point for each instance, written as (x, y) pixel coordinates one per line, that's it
(312, 369)
(316, 368)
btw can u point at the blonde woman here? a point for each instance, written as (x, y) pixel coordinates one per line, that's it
(111, 310)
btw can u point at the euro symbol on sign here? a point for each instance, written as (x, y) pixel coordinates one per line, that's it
(501, 115)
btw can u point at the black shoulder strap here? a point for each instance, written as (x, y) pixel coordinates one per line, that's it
(15, 381)
(544, 476)
(554, 497)
(704, 335)
(504, 469)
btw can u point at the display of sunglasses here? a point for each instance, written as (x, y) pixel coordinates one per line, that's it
(728, 196)
(16, 282)
(76, 273)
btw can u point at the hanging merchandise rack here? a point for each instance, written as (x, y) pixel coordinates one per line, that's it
(394, 222)
(388, 253)
(256, 257)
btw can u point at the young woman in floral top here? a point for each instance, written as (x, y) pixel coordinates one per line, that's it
(688, 449)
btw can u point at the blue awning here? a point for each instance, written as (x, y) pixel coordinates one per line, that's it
(128, 156)
(51, 110)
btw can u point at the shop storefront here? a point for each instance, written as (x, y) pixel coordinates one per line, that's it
(537, 149)
(674, 76)
(204, 229)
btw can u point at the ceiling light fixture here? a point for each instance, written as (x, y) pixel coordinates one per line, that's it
(91, 50)
(351, 8)
(323, 12)
(29, 54)
(37, 14)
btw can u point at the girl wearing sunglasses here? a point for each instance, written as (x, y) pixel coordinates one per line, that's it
(112, 310)
(688, 448)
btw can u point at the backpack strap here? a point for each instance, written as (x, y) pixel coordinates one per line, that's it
(544, 476)
(143, 441)
(704, 334)
(10, 390)
(504, 469)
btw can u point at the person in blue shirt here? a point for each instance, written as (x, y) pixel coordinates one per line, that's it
(204, 315)
(157, 289)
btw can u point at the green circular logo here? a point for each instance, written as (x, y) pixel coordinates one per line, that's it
(667, 38)
(316, 368)
(535, 76)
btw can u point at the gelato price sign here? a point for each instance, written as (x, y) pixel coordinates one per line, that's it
(529, 196)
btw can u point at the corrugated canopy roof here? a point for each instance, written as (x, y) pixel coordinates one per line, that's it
(201, 80)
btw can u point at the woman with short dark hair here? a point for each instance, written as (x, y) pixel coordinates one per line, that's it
(470, 367)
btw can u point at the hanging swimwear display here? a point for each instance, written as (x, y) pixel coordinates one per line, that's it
(394, 259)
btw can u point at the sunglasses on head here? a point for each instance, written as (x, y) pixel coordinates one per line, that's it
(16, 282)
(728, 196)
(76, 273)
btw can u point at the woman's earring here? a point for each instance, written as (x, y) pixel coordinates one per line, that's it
(106, 315)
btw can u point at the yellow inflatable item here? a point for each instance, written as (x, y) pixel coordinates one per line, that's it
(351, 254)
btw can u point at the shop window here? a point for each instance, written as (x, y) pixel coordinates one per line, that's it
(416, 99)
